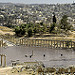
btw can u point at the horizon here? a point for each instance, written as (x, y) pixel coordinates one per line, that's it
(37, 2)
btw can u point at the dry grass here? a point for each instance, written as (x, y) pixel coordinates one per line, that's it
(11, 71)
(5, 30)
(15, 71)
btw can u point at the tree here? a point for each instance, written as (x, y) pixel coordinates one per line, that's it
(64, 24)
(20, 30)
(36, 28)
(42, 28)
(17, 30)
(54, 19)
(29, 32)
(52, 27)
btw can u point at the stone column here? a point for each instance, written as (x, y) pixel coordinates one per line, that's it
(1, 59)
(20, 41)
(32, 43)
(27, 42)
(63, 44)
(24, 41)
(48, 43)
(54, 43)
(35, 42)
(38, 42)
(4, 60)
(41, 43)
(2, 42)
(71, 44)
(60, 44)
(51, 43)
(57, 43)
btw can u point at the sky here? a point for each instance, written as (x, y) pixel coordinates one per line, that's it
(38, 1)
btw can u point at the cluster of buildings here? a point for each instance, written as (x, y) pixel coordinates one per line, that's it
(16, 14)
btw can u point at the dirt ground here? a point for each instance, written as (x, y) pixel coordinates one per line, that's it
(6, 30)
(10, 71)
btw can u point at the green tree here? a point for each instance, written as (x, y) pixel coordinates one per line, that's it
(42, 29)
(52, 27)
(17, 30)
(64, 24)
(20, 30)
(29, 32)
(54, 19)
(36, 28)
(29, 25)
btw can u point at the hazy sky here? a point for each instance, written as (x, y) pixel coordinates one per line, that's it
(38, 1)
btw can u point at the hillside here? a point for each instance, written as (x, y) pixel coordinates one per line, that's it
(5, 30)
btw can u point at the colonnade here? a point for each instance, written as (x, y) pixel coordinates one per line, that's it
(47, 43)
(3, 60)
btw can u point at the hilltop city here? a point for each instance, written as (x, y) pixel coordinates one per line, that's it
(17, 14)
